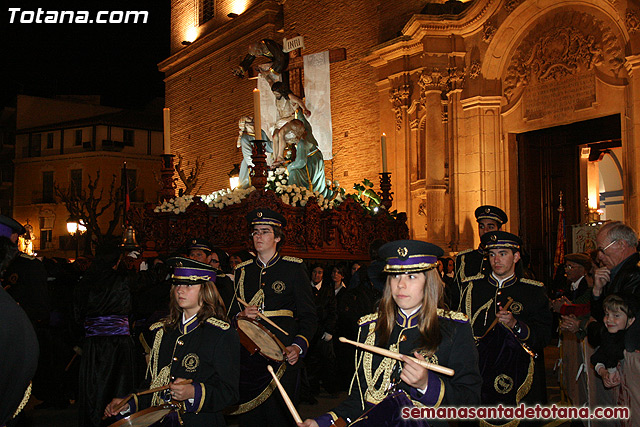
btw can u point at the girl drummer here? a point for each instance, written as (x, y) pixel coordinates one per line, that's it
(410, 320)
(193, 343)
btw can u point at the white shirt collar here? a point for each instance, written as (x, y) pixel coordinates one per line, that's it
(408, 314)
(185, 321)
(574, 285)
(501, 281)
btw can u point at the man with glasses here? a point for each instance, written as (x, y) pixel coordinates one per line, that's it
(278, 287)
(620, 274)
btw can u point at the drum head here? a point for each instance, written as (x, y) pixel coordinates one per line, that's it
(269, 345)
(144, 418)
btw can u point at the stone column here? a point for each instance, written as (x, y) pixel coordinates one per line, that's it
(435, 186)
(481, 172)
(399, 95)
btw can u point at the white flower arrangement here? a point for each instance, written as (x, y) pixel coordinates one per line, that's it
(175, 205)
(277, 181)
(226, 197)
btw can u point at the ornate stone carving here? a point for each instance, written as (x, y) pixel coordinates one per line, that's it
(567, 43)
(399, 98)
(432, 79)
(510, 5)
(474, 69)
(444, 81)
(488, 32)
(632, 21)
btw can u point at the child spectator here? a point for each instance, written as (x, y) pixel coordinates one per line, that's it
(619, 314)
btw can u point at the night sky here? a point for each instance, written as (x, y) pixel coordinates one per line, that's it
(116, 61)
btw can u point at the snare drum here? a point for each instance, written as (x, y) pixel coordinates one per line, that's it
(259, 348)
(156, 416)
(256, 338)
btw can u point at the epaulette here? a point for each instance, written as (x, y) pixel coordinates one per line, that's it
(156, 325)
(453, 315)
(532, 282)
(27, 256)
(466, 251)
(476, 277)
(219, 323)
(244, 263)
(368, 318)
(293, 259)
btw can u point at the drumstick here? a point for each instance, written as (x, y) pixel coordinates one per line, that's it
(285, 396)
(495, 321)
(393, 355)
(141, 393)
(263, 317)
(164, 387)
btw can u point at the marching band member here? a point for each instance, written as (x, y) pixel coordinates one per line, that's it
(195, 342)
(278, 287)
(528, 316)
(473, 262)
(410, 321)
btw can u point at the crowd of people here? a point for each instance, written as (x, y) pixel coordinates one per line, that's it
(201, 328)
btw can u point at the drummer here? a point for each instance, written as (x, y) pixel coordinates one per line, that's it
(528, 316)
(195, 342)
(410, 320)
(278, 286)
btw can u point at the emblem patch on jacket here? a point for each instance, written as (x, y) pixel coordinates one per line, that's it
(278, 287)
(516, 307)
(191, 362)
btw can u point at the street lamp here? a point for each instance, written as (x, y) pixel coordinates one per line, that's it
(75, 227)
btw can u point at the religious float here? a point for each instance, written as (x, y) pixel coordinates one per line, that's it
(317, 227)
(282, 169)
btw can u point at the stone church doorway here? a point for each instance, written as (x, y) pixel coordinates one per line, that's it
(555, 160)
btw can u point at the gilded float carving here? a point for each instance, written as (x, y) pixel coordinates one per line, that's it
(565, 44)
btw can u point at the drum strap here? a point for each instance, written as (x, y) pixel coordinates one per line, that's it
(280, 313)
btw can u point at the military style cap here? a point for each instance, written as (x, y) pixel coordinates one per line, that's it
(500, 240)
(409, 256)
(8, 226)
(580, 258)
(265, 216)
(199, 243)
(491, 212)
(190, 272)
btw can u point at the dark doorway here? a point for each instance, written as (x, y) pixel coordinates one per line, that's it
(548, 163)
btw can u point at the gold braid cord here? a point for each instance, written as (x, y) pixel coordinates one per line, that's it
(257, 401)
(158, 379)
(373, 394)
(25, 399)
(257, 299)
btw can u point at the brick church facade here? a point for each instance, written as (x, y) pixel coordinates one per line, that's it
(503, 102)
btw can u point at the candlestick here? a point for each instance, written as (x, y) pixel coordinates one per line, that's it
(166, 114)
(257, 118)
(383, 143)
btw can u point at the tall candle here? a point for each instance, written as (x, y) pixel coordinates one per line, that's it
(383, 143)
(257, 118)
(166, 115)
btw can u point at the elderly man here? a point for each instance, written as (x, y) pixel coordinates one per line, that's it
(619, 274)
